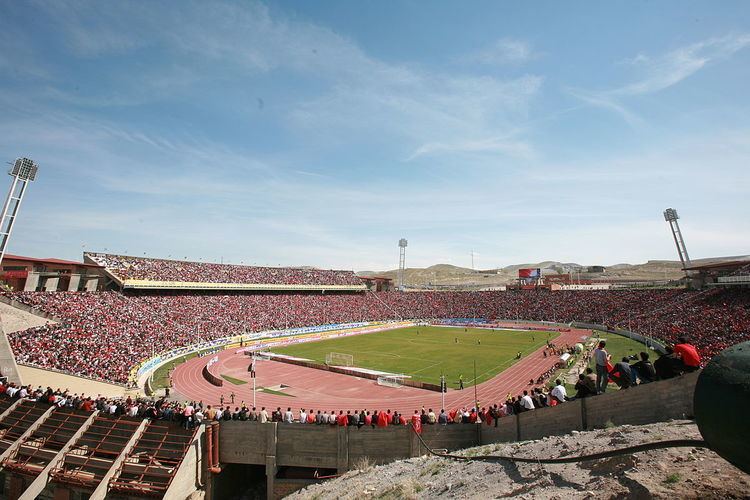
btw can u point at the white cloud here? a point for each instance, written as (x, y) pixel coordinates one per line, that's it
(502, 52)
(502, 145)
(662, 72)
(358, 96)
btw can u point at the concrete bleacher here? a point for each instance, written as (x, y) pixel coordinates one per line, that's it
(152, 464)
(95, 452)
(35, 453)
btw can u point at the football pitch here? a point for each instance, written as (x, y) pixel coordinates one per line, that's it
(426, 352)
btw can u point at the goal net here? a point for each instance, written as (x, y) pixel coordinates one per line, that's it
(339, 359)
(391, 380)
(262, 356)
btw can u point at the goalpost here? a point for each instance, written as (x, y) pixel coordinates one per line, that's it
(339, 359)
(262, 355)
(391, 380)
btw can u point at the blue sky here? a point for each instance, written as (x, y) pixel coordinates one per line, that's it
(319, 133)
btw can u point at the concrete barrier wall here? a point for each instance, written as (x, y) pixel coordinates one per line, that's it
(551, 421)
(212, 378)
(506, 430)
(341, 448)
(307, 445)
(449, 437)
(643, 404)
(246, 442)
(378, 446)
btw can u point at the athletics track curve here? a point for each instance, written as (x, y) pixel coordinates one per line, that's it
(326, 391)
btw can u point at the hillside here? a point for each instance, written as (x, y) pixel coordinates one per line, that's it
(668, 473)
(449, 275)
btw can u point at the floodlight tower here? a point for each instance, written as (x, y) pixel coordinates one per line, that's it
(402, 243)
(670, 215)
(23, 172)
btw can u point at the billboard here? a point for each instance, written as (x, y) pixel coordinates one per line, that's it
(529, 273)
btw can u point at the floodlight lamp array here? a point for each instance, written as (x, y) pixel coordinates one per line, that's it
(24, 169)
(670, 215)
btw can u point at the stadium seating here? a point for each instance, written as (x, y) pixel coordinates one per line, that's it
(101, 335)
(125, 267)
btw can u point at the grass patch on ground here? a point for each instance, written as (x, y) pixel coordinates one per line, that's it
(233, 380)
(425, 352)
(619, 346)
(160, 378)
(277, 393)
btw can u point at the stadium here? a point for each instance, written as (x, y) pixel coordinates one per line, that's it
(293, 342)
(204, 290)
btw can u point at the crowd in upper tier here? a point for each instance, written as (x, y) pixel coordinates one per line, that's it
(125, 267)
(102, 335)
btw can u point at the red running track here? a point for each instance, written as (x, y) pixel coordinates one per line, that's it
(321, 390)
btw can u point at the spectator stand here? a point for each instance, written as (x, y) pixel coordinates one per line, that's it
(162, 274)
(153, 462)
(35, 453)
(96, 452)
(16, 422)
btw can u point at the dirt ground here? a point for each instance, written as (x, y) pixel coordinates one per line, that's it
(666, 473)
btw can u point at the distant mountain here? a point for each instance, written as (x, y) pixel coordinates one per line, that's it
(449, 275)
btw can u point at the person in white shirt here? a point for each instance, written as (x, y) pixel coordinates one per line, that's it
(219, 413)
(263, 416)
(288, 416)
(23, 393)
(302, 416)
(133, 411)
(112, 408)
(559, 392)
(11, 391)
(526, 401)
(198, 417)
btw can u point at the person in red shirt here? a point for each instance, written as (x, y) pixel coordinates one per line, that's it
(87, 405)
(341, 420)
(382, 419)
(416, 422)
(368, 418)
(688, 354)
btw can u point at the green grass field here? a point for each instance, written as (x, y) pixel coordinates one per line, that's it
(426, 352)
(619, 346)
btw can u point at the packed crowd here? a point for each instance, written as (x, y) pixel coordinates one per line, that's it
(102, 335)
(125, 267)
(680, 359)
(160, 409)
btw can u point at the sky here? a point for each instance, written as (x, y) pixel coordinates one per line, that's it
(320, 133)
